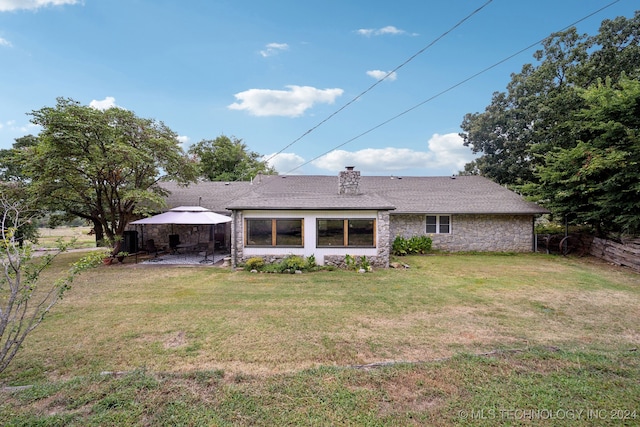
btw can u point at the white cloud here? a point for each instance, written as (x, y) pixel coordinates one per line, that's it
(5, 42)
(11, 126)
(11, 5)
(284, 162)
(389, 29)
(450, 151)
(374, 159)
(273, 49)
(368, 32)
(105, 104)
(379, 74)
(445, 153)
(288, 103)
(183, 139)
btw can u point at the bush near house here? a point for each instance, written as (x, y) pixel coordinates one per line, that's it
(255, 263)
(289, 264)
(412, 246)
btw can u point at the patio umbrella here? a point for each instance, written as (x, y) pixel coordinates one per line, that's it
(185, 215)
(194, 215)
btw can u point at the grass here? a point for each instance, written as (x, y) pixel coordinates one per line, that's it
(457, 340)
(48, 237)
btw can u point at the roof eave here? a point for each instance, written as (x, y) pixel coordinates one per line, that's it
(397, 212)
(315, 208)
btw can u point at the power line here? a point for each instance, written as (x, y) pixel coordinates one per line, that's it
(381, 80)
(449, 88)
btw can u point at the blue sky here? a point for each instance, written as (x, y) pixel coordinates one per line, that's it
(273, 73)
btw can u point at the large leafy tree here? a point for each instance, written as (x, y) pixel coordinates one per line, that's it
(11, 169)
(597, 181)
(103, 166)
(228, 159)
(521, 125)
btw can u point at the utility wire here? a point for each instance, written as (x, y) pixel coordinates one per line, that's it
(381, 80)
(451, 88)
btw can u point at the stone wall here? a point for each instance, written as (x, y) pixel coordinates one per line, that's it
(384, 240)
(349, 181)
(484, 233)
(160, 234)
(237, 238)
(339, 261)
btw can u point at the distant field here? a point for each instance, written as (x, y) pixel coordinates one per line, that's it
(48, 237)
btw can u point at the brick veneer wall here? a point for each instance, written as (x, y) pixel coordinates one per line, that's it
(485, 233)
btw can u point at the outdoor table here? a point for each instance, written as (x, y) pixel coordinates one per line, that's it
(186, 246)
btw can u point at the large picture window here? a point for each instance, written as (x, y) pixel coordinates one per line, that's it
(438, 224)
(346, 233)
(274, 232)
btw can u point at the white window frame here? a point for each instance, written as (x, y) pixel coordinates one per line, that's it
(438, 223)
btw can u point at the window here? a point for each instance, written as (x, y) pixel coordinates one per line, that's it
(274, 232)
(331, 232)
(439, 224)
(346, 233)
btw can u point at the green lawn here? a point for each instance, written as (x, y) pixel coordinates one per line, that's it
(455, 340)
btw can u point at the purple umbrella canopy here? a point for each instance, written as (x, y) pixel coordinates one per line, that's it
(195, 215)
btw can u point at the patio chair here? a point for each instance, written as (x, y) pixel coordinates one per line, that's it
(209, 253)
(174, 241)
(151, 248)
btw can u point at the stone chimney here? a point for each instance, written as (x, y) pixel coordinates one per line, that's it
(349, 181)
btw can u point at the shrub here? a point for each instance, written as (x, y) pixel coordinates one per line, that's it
(353, 263)
(294, 262)
(365, 264)
(350, 262)
(276, 267)
(289, 264)
(413, 245)
(255, 263)
(311, 263)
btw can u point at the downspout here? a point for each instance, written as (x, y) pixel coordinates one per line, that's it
(535, 236)
(234, 240)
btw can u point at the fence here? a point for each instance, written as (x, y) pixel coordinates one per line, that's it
(626, 253)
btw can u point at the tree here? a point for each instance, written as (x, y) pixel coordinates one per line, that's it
(521, 125)
(11, 169)
(24, 299)
(597, 181)
(14, 183)
(103, 166)
(228, 159)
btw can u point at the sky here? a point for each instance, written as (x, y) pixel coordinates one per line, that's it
(307, 84)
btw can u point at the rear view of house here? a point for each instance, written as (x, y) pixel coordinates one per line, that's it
(330, 217)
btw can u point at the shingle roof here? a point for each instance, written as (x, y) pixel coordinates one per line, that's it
(454, 195)
(213, 195)
(442, 195)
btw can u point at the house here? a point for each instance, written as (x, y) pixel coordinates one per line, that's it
(330, 217)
